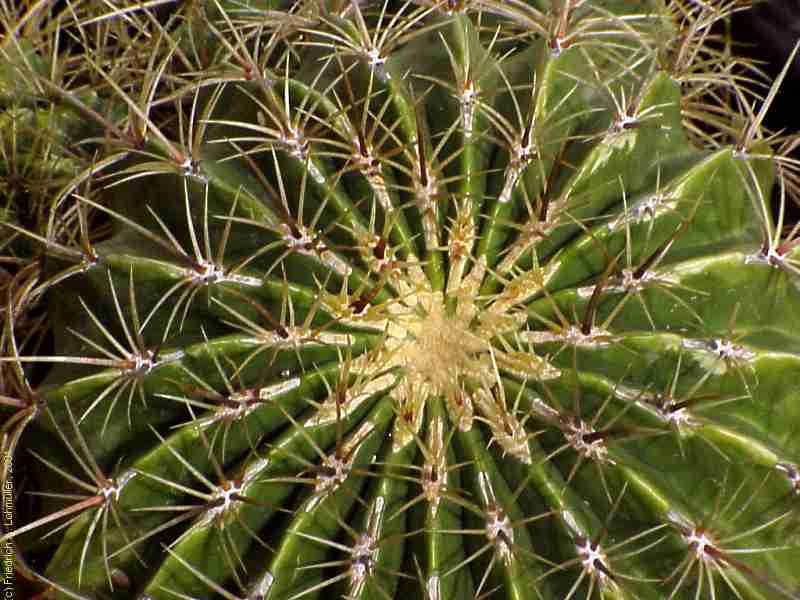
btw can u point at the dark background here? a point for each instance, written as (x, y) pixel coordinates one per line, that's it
(768, 33)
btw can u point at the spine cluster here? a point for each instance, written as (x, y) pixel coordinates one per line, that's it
(427, 299)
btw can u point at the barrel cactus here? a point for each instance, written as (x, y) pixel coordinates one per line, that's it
(429, 299)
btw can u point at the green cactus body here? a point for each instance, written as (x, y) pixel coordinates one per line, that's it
(433, 300)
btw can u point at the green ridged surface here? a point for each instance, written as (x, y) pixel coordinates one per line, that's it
(470, 317)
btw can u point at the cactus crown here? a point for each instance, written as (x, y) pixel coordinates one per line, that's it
(447, 299)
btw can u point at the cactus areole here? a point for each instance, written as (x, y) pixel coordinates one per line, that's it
(424, 299)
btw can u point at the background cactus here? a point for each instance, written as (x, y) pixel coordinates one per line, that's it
(458, 299)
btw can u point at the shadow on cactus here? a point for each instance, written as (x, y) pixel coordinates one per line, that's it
(444, 300)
